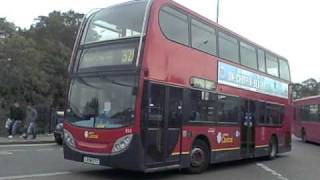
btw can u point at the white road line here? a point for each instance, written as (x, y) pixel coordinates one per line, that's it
(34, 175)
(17, 150)
(268, 169)
(5, 153)
(47, 149)
(28, 145)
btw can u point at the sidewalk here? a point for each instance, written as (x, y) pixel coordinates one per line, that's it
(41, 139)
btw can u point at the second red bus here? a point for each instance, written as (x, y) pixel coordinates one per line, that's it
(307, 119)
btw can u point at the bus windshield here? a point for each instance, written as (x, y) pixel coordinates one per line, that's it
(102, 102)
(116, 22)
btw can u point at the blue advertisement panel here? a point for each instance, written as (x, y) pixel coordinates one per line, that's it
(240, 78)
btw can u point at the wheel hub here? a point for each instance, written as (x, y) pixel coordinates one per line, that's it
(197, 157)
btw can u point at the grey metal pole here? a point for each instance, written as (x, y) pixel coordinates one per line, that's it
(218, 9)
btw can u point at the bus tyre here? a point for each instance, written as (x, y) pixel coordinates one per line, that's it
(303, 136)
(273, 148)
(199, 157)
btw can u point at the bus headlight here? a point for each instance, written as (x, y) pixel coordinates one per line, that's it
(68, 138)
(122, 143)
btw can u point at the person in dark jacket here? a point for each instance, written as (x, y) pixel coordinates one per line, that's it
(16, 115)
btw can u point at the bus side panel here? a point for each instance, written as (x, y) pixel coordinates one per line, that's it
(263, 138)
(173, 63)
(297, 127)
(311, 129)
(301, 121)
(224, 142)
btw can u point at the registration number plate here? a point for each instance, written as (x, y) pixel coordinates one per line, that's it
(90, 160)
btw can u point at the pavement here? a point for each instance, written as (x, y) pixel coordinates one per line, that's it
(45, 161)
(41, 139)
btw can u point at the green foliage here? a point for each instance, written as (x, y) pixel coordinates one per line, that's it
(6, 27)
(34, 62)
(307, 88)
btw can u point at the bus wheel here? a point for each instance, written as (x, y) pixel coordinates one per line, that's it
(303, 136)
(199, 157)
(273, 148)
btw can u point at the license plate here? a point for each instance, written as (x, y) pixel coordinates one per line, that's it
(90, 160)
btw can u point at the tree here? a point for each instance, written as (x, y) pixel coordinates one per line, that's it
(6, 28)
(55, 35)
(309, 87)
(21, 77)
(57, 26)
(34, 62)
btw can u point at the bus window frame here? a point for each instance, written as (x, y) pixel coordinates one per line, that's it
(238, 48)
(209, 25)
(231, 34)
(188, 23)
(277, 107)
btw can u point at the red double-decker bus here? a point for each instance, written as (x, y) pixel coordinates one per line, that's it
(156, 86)
(307, 119)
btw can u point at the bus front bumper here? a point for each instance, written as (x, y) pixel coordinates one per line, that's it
(130, 159)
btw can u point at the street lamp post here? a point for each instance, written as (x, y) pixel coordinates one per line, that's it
(218, 9)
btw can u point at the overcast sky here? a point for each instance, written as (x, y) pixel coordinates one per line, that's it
(290, 28)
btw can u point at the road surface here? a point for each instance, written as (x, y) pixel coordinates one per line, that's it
(46, 162)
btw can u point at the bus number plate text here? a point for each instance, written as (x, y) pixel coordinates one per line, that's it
(90, 160)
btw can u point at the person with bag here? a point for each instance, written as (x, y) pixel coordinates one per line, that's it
(8, 126)
(16, 115)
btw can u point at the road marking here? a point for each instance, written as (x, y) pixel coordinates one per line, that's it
(34, 175)
(47, 149)
(27, 145)
(273, 172)
(9, 152)
(5, 153)
(17, 150)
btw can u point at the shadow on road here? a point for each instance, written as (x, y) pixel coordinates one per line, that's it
(118, 174)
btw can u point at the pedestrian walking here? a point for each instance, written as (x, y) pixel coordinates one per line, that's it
(16, 115)
(31, 117)
(8, 126)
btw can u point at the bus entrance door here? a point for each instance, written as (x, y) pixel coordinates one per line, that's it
(248, 129)
(162, 125)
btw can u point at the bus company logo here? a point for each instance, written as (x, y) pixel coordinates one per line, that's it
(224, 138)
(237, 134)
(219, 138)
(91, 135)
(86, 134)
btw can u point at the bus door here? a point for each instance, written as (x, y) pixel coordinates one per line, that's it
(162, 125)
(248, 129)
